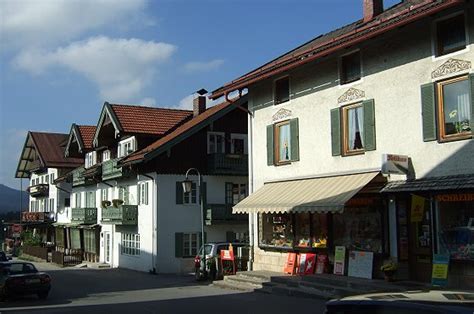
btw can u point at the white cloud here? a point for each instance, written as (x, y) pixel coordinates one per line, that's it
(121, 68)
(192, 67)
(148, 101)
(28, 23)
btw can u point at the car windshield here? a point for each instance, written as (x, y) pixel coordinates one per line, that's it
(207, 249)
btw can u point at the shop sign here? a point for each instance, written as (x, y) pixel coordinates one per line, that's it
(306, 263)
(227, 262)
(360, 264)
(456, 197)
(439, 275)
(417, 208)
(339, 260)
(396, 164)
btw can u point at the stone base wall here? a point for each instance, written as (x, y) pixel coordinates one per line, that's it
(267, 260)
(461, 275)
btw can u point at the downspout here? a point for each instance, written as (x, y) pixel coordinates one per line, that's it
(154, 225)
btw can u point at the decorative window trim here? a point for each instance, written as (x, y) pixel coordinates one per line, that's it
(434, 37)
(209, 134)
(130, 244)
(276, 143)
(346, 151)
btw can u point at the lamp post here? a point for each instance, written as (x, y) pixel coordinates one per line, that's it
(187, 188)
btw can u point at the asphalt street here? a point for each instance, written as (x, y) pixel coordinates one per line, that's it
(84, 290)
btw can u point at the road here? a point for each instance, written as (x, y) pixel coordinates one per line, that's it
(76, 290)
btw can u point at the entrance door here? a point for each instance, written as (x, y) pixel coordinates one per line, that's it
(107, 246)
(421, 243)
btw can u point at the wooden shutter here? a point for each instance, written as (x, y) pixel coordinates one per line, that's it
(369, 125)
(270, 147)
(204, 195)
(336, 132)
(179, 192)
(428, 109)
(230, 236)
(178, 244)
(139, 194)
(228, 193)
(146, 193)
(471, 79)
(294, 134)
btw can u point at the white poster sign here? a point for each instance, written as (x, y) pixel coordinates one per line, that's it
(396, 164)
(360, 264)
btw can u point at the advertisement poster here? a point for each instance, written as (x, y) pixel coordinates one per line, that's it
(307, 263)
(321, 263)
(417, 208)
(439, 276)
(290, 264)
(339, 260)
(360, 264)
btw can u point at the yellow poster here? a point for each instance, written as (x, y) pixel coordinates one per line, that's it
(417, 208)
(440, 271)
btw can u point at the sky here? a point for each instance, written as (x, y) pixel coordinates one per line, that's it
(60, 60)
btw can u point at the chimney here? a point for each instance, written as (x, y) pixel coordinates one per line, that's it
(199, 102)
(372, 8)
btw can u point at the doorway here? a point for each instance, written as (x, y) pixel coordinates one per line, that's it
(107, 246)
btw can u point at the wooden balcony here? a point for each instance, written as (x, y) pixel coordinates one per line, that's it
(111, 171)
(222, 213)
(78, 177)
(39, 190)
(121, 215)
(85, 216)
(35, 217)
(82, 176)
(227, 164)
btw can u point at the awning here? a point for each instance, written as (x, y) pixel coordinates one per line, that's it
(454, 182)
(324, 194)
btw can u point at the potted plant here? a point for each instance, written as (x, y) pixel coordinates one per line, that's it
(117, 202)
(106, 204)
(389, 269)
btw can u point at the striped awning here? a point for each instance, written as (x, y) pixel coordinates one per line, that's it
(324, 194)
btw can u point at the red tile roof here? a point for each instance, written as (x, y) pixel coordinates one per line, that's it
(182, 129)
(149, 120)
(87, 134)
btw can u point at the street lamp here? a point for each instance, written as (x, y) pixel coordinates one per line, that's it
(187, 188)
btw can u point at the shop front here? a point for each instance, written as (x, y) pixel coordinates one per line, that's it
(439, 222)
(316, 216)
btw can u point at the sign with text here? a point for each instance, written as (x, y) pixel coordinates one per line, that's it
(439, 275)
(339, 260)
(228, 262)
(396, 164)
(360, 264)
(307, 263)
(417, 208)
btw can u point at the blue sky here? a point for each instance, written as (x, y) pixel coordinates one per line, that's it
(60, 60)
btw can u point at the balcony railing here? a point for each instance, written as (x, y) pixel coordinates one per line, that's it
(111, 171)
(82, 176)
(86, 216)
(78, 177)
(121, 215)
(222, 213)
(39, 190)
(227, 164)
(35, 217)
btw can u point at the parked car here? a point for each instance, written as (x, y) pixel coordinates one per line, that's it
(411, 302)
(213, 266)
(21, 278)
(4, 257)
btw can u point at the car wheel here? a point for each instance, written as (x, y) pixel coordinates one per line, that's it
(43, 295)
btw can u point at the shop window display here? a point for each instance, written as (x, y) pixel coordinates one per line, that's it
(276, 230)
(319, 228)
(456, 229)
(303, 231)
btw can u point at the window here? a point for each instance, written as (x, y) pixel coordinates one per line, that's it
(51, 177)
(350, 69)
(238, 144)
(32, 206)
(90, 159)
(104, 194)
(51, 205)
(90, 199)
(282, 142)
(67, 202)
(143, 193)
(106, 155)
(282, 90)
(215, 142)
(235, 192)
(124, 195)
(47, 179)
(90, 242)
(126, 147)
(447, 109)
(190, 197)
(130, 244)
(190, 244)
(450, 35)
(78, 200)
(353, 129)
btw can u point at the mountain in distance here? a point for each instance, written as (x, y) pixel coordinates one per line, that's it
(10, 199)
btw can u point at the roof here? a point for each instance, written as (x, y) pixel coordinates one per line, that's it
(184, 130)
(148, 120)
(454, 182)
(398, 15)
(323, 194)
(50, 150)
(87, 134)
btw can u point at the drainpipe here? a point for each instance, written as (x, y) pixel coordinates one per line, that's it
(251, 215)
(154, 224)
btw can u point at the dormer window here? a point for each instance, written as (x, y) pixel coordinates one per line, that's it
(126, 147)
(91, 159)
(106, 155)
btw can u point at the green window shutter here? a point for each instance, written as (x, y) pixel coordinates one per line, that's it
(295, 145)
(204, 193)
(471, 79)
(270, 147)
(179, 193)
(230, 236)
(228, 193)
(178, 244)
(428, 109)
(146, 193)
(336, 132)
(369, 125)
(139, 195)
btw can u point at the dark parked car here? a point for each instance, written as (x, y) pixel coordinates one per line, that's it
(20, 278)
(409, 302)
(213, 253)
(3, 257)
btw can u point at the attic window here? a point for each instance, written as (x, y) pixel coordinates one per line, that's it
(126, 147)
(451, 35)
(350, 70)
(282, 90)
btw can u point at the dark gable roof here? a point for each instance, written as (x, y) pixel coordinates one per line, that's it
(185, 130)
(403, 13)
